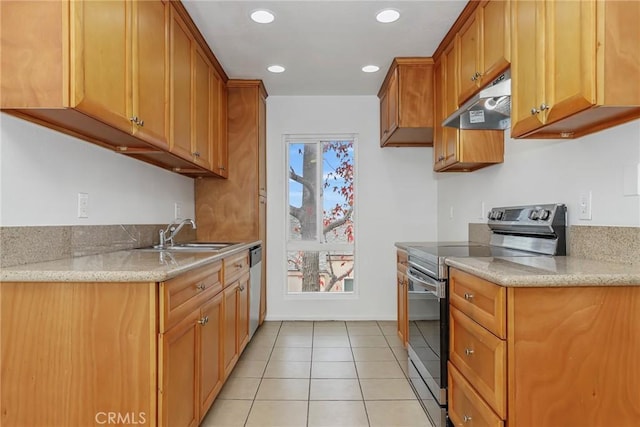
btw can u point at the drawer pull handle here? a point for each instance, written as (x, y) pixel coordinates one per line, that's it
(466, 418)
(468, 296)
(204, 320)
(200, 286)
(237, 265)
(468, 351)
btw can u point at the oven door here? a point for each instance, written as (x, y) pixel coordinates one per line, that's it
(428, 341)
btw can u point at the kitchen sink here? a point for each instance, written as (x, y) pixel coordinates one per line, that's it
(190, 247)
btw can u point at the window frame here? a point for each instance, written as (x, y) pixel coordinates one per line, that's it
(318, 245)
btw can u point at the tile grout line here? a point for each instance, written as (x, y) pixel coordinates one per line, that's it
(255, 395)
(353, 356)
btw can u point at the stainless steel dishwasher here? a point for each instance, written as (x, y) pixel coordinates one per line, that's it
(255, 278)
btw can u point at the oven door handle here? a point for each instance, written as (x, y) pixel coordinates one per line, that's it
(433, 286)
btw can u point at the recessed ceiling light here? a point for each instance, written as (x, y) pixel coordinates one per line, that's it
(387, 15)
(370, 68)
(262, 16)
(276, 68)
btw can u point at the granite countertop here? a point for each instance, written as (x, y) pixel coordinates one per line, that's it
(121, 266)
(543, 271)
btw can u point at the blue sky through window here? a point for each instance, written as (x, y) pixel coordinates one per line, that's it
(329, 163)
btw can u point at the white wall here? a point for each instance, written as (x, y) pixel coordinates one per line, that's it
(548, 171)
(395, 201)
(42, 172)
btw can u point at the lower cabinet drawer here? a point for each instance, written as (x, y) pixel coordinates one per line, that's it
(481, 357)
(180, 295)
(466, 407)
(481, 300)
(234, 266)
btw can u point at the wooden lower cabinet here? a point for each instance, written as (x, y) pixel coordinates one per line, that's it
(402, 296)
(211, 373)
(230, 327)
(466, 407)
(178, 391)
(243, 312)
(570, 355)
(154, 354)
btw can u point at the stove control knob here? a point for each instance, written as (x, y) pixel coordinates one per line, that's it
(544, 214)
(533, 215)
(498, 215)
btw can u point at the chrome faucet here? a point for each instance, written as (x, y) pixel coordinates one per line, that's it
(167, 235)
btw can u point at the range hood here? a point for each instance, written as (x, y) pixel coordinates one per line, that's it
(488, 109)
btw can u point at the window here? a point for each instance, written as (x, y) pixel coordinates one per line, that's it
(320, 239)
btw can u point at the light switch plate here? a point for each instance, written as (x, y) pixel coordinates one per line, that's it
(584, 205)
(83, 205)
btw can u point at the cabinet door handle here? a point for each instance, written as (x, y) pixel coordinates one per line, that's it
(135, 120)
(221, 167)
(200, 286)
(242, 288)
(534, 111)
(441, 158)
(468, 296)
(468, 351)
(203, 321)
(544, 106)
(196, 153)
(466, 418)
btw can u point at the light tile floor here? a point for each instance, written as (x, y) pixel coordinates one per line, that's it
(312, 374)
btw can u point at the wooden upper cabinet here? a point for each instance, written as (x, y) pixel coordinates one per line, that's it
(220, 146)
(470, 63)
(484, 46)
(181, 81)
(571, 67)
(101, 49)
(495, 45)
(150, 72)
(458, 150)
(116, 73)
(406, 103)
(202, 143)
(527, 81)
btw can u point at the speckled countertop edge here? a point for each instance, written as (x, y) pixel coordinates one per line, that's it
(120, 266)
(544, 271)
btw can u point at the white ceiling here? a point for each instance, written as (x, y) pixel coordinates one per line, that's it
(323, 44)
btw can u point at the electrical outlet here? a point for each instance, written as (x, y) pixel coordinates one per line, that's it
(177, 210)
(450, 212)
(584, 205)
(83, 205)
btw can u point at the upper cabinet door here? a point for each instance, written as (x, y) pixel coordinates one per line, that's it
(495, 43)
(101, 70)
(393, 103)
(181, 80)
(202, 136)
(151, 72)
(470, 67)
(483, 47)
(220, 149)
(570, 48)
(527, 70)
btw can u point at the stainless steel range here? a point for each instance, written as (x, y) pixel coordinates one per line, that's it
(534, 230)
